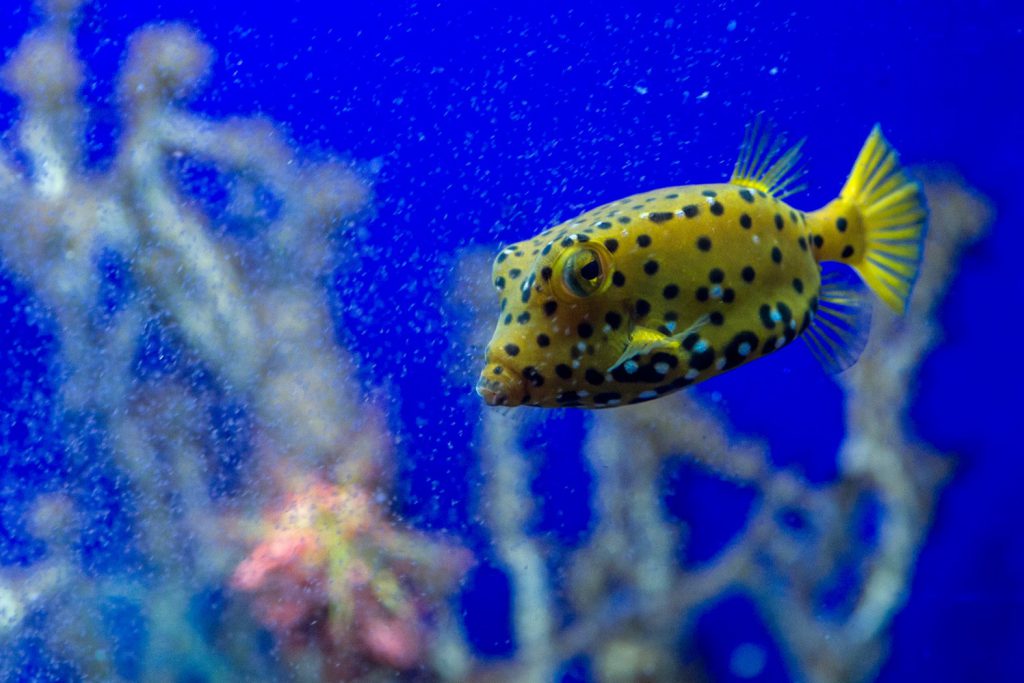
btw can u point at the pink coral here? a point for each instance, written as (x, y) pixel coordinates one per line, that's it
(333, 572)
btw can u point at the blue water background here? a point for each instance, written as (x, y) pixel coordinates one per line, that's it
(492, 124)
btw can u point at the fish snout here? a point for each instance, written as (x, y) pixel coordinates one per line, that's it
(501, 386)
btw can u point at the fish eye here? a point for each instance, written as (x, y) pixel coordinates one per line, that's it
(583, 271)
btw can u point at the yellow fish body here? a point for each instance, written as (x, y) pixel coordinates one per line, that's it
(649, 294)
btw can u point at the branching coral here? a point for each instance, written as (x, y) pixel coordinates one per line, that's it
(246, 314)
(303, 543)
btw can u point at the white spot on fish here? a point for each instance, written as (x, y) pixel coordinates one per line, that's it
(670, 326)
(780, 342)
(692, 373)
(583, 393)
(716, 292)
(744, 349)
(661, 368)
(720, 363)
(700, 347)
(647, 394)
(630, 366)
(775, 316)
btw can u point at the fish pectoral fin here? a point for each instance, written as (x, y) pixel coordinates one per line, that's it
(839, 332)
(644, 340)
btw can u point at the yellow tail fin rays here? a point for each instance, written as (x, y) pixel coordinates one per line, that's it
(894, 215)
(765, 164)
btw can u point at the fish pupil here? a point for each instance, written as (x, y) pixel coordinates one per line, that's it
(591, 271)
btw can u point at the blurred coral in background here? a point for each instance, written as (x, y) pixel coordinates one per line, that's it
(185, 284)
(332, 573)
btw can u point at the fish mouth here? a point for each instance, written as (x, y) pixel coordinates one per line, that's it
(502, 388)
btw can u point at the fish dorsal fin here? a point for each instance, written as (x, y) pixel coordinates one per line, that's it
(764, 163)
(840, 328)
(643, 340)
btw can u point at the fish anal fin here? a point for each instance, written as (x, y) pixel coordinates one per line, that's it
(839, 332)
(765, 164)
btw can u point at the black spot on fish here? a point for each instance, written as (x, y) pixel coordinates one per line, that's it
(778, 222)
(746, 222)
(747, 196)
(660, 216)
(606, 397)
(550, 307)
(584, 330)
(776, 255)
(611, 244)
(642, 307)
(841, 224)
(739, 348)
(613, 319)
(704, 243)
(643, 240)
(847, 251)
(748, 274)
(563, 371)
(702, 360)
(717, 209)
(618, 279)
(670, 291)
(523, 318)
(766, 316)
(651, 267)
(512, 349)
(543, 340)
(690, 210)
(531, 375)
(594, 377)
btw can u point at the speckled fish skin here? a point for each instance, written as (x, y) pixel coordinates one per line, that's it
(740, 263)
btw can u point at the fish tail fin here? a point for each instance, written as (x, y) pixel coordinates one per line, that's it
(883, 208)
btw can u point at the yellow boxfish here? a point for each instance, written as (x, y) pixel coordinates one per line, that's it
(652, 293)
